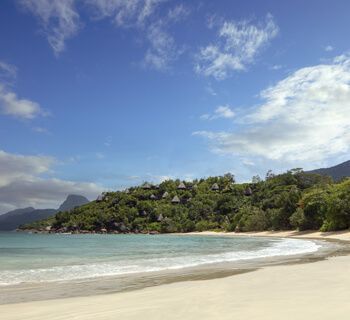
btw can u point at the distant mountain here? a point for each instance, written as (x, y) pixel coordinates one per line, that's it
(73, 201)
(337, 172)
(11, 220)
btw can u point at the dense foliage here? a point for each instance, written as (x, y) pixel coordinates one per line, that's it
(291, 200)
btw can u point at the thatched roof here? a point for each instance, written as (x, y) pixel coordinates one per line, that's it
(100, 198)
(153, 197)
(160, 218)
(165, 195)
(143, 213)
(175, 200)
(181, 186)
(146, 185)
(215, 187)
(248, 191)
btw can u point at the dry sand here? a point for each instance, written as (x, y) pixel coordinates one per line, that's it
(319, 290)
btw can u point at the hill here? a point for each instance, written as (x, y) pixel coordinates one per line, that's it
(72, 201)
(337, 172)
(294, 199)
(13, 219)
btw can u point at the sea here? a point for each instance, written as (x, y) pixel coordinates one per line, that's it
(45, 258)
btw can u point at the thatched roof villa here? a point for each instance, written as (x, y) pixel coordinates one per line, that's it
(100, 198)
(215, 187)
(175, 200)
(248, 191)
(165, 195)
(143, 213)
(146, 186)
(181, 186)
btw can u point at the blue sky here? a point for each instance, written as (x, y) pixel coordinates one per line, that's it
(106, 94)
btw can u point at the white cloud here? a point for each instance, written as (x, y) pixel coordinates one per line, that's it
(304, 117)
(210, 90)
(11, 105)
(162, 50)
(276, 67)
(220, 112)
(41, 130)
(178, 13)
(59, 19)
(22, 183)
(328, 48)
(238, 45)
(7, 70)
(224, 112)
(248, 162)
(125, 13)
(18, 167)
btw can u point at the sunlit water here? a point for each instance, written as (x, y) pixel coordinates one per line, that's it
(26, 258)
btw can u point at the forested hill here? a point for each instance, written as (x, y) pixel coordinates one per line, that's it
(337, 172)
(291, 200)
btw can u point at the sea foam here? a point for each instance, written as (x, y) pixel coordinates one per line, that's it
(275, 248)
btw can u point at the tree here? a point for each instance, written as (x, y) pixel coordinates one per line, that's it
(269, 175)
(256, 179)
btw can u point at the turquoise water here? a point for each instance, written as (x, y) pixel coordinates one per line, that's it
(28, 258)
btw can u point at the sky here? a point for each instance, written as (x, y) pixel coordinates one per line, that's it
(105, 94)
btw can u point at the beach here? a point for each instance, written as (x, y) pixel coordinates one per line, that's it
(293, 291)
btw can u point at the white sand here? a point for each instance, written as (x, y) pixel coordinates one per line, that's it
(318, 290)
(337, 235)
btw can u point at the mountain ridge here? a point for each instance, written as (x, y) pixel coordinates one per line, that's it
(337, 172)
(13, 219)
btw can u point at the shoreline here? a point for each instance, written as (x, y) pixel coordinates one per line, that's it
(101, 285)
(216, 285)
(343, 235)
(340, 236)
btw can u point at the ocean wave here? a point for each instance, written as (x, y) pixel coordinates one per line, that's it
(278, 247)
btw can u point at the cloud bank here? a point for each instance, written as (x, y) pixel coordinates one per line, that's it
(304, 117)
(22, 183)
(13, 106)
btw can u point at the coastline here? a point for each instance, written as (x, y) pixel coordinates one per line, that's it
(269, 290)
(317, 235)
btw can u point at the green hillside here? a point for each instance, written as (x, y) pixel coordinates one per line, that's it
(291, 200)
